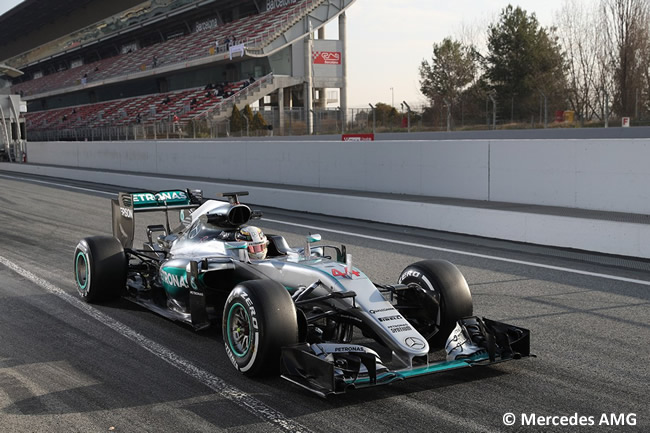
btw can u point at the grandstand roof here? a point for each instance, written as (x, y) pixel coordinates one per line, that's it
(27, 20)
(9, 71)
(36, 13)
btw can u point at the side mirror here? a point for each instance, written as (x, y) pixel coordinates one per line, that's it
(239, 245)
(313, 238)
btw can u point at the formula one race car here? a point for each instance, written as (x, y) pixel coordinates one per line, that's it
(305, 312)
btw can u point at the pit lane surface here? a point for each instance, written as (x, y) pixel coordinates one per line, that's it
(66, 366)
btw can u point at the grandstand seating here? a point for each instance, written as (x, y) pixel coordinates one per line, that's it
(249, 30)
(151, 108)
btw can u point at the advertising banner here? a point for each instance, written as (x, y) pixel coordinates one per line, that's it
(326, 57)
(358, 137)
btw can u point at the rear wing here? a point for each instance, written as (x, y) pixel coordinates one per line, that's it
(128, 204)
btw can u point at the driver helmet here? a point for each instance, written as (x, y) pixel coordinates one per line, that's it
(257, 242)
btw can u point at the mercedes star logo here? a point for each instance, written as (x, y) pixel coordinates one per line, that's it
(414, 343)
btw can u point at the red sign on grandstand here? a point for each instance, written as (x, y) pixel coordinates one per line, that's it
(327, 57)
(358, 137)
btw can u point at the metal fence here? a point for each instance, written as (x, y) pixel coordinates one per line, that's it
(295, 121)
(298, 121)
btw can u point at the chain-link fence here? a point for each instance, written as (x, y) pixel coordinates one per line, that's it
(375, 119)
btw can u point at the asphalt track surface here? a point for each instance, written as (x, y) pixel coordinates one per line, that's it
(69, 366)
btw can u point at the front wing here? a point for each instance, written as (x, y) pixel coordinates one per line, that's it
(336, 373)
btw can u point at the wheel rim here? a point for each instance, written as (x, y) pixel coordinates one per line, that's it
(239, 330)
(81, 271)
(422, 322)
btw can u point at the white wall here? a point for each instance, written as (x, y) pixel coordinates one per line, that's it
(608, 174)
(611, 237)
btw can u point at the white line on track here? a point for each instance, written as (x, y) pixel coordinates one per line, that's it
(57, 184)
(229, 392)
(465, 253)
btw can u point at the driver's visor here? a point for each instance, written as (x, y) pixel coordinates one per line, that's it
(257, 248)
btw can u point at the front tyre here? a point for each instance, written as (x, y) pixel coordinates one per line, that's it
(435, 282)
(259, 318)
(100, 267)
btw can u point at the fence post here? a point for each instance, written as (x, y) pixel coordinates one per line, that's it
(494, 109)
(408, 117)
(446, 101)
(462, 114)
(373, 117)
(606, 110)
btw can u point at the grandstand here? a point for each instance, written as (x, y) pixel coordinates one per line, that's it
(142, 63)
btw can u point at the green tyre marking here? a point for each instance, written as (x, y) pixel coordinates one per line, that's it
(242, 347)
(84, 284)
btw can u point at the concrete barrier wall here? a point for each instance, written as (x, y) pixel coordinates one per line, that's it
(607, 174)
(611, 237)
(440, 168)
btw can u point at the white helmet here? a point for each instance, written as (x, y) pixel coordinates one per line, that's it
(257, 242)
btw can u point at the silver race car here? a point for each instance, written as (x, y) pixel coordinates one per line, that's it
(305, 312)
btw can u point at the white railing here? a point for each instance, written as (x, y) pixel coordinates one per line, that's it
(260, 41)
(229, 102)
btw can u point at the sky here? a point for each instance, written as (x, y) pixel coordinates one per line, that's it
(388, 39)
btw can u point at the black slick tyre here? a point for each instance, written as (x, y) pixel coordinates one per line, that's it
(442, 282)
(100, 267)
(259, 318)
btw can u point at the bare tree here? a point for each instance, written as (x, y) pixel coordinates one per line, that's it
(625, 27)
(473, 34)
(642, 96)
(579, 36)
(604, 77)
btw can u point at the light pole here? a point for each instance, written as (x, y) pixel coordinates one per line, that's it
(392, 97)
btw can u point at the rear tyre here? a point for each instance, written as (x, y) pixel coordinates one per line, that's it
(435, 282)
(100, 266)
(259, 318)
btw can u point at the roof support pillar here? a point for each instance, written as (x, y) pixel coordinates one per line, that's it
(344, 66)
(309, 82)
